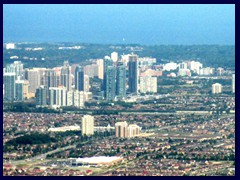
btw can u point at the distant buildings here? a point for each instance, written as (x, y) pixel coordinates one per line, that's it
(233, 83)
(206, 71)
(170, 66)
(123, 130)
(216, 88)
(87, 125)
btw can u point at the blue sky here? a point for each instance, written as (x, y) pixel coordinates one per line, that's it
(136, 23)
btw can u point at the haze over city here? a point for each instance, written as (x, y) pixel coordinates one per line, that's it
(120, 24)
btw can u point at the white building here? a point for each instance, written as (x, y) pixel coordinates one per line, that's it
(170, 66)
(57, 96)
(100, 68)
(114, 56)
(10, 46)
(195, 66)
(148, 84)
(183, 65)
(75, 98)
(206, 71)
(146, 61)
(87, 125)
(216, 88)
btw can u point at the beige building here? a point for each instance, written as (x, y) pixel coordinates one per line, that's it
(126, 131)
(216, 88)
(87, 125)
(100, 68)
(148, 84)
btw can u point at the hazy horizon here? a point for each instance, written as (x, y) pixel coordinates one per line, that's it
(120, 24)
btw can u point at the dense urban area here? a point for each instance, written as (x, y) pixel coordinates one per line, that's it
(118, 110)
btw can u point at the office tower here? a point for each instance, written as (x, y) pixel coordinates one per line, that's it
(66, 78)
(110, 83)
(33, 77)
(148, 84)
(133, 130)
(121, 81)
(106, 62)
(216, 88)
(121, 129)
(100, 68)
(58, 96)
(86, 83)
(79, 78)
(19, 90)
(9, 86)
(87, 125)
(233, 83)
(114, 56)
(133, 74)
(16, 67)
(41, 95)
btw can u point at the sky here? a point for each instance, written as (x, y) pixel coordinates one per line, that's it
(145, 24)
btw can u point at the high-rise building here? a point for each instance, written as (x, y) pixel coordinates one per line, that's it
(91, 70)
(110, 83)
(121, 81)
(66, 77)
(57, 96)
(114, 56)
(33, 77)
(133, 74)
(233, 83)
(50, 79)
(87, 125)
(41, 96)
(148, 84)
(86, 83)
(75, 98)
(16, 67)
(216, 88)
(19, 90)
(100, 68)
(9, 86)
(121, 129)
(25, 89)
(79, 78)
(106, 62)
(195, 66)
